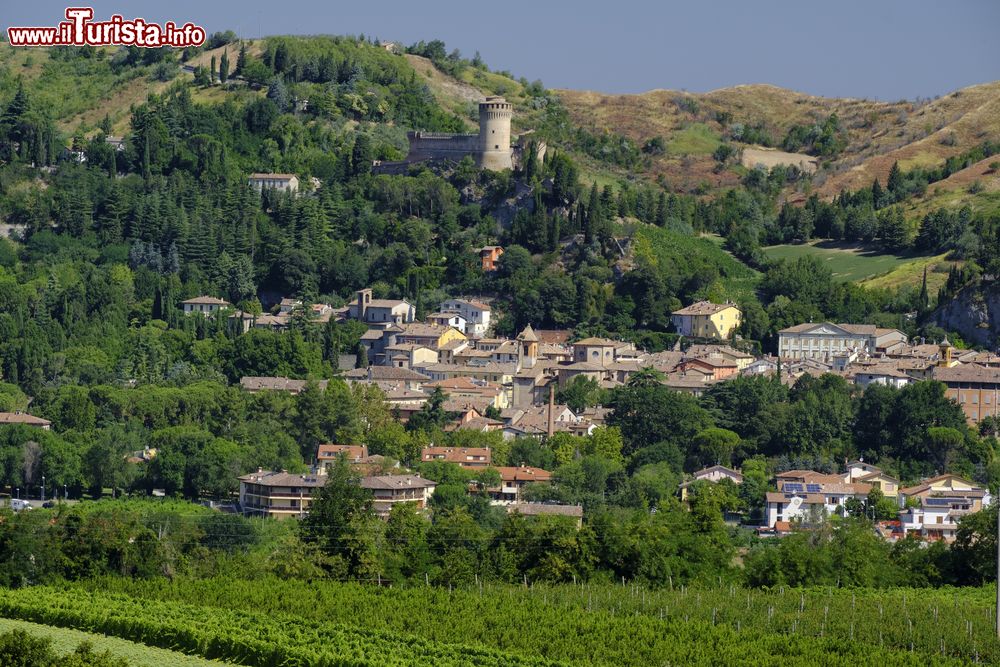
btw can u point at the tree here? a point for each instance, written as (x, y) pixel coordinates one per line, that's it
(224, 67)
(579, 393)
(212, 72)
(338, 515)
(715, 446)
(241, 60)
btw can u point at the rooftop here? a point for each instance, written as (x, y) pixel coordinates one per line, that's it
(703, 308)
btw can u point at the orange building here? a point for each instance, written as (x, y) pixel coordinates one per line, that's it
(490, 254)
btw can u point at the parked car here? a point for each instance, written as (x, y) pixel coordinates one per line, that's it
(48, 504)
(17, 504)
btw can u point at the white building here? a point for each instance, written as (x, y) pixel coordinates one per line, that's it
(204, 304)
(825, 340)
(289, 182)
(381, 311)
(476, 315)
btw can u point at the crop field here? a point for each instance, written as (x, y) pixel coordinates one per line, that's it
(273, 621)
(65, 640)
(849, 262)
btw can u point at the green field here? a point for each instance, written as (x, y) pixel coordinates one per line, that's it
(850, 262)
(674, 252)
(65, 640)
(271, 621)
(695, 139)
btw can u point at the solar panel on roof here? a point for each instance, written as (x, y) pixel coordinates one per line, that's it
(940, 501)
(793, 487)
(812, 488)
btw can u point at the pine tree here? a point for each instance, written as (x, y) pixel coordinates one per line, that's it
(876, 193)
(895, 183)
(923, 301)
(241, 60)
(224, 68)
(212, 72)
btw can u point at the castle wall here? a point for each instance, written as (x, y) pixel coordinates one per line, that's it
(428, 145)
(490, 148)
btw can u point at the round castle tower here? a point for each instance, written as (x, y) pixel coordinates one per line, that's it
(494, 134)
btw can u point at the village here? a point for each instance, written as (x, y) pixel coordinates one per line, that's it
(493, 384)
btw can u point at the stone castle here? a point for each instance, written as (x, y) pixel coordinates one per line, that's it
(491, 148)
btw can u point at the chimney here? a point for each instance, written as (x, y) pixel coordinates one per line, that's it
(552, 402)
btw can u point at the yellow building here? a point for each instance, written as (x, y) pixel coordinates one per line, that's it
(707, 320)
(433, 336)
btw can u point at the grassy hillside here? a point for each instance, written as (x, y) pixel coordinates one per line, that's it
(675, 252)
(65, 640)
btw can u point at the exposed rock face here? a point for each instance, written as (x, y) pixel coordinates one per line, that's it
(974, 313)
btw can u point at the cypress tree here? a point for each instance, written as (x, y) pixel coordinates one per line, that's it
(224, 68)
(213, 71)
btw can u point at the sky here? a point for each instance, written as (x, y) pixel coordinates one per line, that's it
(876, 49)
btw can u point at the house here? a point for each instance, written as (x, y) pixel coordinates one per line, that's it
(286, 182)
(431, 336)
(729, 353)
(513, 480)
(206, 305)
(253, 384)
(454, 320)
(18, 417)
(117, 143)
(475, 313)
(387, 377)
(467, 457)
(390, 490)
(825, 340)
(975, 388)
(809, 496)
(489, 255)
(410, 355)
(463, 387)
(380, 311)
(885, 373)
(548, 509)
(489, 371)
(713, 474)
(705, 319)
(328, 453)
(717, 366)
(933, 508)
(279, 494)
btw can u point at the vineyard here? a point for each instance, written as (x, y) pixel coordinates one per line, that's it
(271, 622)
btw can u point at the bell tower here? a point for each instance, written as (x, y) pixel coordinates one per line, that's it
(527, 347)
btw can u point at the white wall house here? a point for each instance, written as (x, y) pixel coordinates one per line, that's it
(206, 305)
(476, 314)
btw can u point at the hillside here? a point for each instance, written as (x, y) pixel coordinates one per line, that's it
(877, 133)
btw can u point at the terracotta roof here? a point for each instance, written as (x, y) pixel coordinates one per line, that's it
(330, 451)
(968, 373)
(22, 418)
(720, 468)
(207, 300)
(703, 308)
(384, 373)
(283, 478)
(253, 383)
(597, 342)
(523, 474)
(457, 454)
(528, 335)
(928, 484)
(536, 509)
(396, 482)
(277, 176)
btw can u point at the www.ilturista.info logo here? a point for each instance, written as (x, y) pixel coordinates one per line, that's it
(80, 30)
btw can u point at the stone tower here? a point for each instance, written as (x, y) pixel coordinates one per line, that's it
(494, 134)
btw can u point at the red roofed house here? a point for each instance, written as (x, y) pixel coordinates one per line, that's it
(512, 480)
(489, 256)
(467, 457)
(328, 453)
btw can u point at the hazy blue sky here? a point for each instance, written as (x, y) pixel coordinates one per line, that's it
(885, 49)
